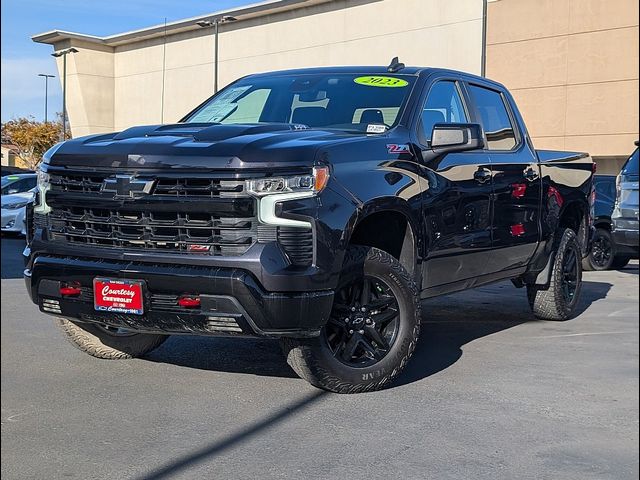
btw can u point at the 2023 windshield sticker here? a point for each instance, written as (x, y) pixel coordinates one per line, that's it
(381, 81)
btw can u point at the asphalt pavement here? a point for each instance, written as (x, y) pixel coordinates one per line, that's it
(491, 393)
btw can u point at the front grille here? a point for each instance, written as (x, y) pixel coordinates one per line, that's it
(210, 214)
(40, 220)
(80, 183)
(171, 186)
(193, 232)
(198, 187)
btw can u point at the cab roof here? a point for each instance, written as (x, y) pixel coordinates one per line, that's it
(375, 70)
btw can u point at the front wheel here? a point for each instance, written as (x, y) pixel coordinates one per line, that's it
(112, 343)
(372, 331)
(559, 301)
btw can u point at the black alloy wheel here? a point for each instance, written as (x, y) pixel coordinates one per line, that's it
(602, 251)
(371, 330)
(364, 322)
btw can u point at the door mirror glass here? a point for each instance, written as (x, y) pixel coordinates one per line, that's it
(456, 137)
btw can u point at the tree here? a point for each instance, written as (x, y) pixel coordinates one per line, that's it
(31, 138)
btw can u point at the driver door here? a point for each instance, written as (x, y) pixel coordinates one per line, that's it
(456, 204)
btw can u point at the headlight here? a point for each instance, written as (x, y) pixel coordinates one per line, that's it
(44, 183)
(273, 190)
(16, 205)
(313, 183)
(43, 180)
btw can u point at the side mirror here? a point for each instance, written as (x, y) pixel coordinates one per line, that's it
(456, 137)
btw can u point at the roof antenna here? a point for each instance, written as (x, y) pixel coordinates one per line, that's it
(395, 65)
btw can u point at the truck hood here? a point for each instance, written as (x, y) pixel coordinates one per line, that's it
(200, 146)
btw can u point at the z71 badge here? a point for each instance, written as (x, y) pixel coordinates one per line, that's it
(398, 148)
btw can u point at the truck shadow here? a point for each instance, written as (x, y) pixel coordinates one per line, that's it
(452, 321)
(449, 322)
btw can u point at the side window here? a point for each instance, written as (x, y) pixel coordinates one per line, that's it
(495, 119)
(443, 105)
(605, 188)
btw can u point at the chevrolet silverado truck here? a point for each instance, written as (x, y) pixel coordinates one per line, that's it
(316, 206)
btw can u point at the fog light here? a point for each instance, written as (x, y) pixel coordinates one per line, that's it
(50, 305)
(223, 325)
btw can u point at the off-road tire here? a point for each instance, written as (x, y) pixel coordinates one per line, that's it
(101, 344)
(550, 303)
(311, 358)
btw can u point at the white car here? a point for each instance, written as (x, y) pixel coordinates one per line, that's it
(17, 192)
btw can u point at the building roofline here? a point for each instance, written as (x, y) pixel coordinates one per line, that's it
(253, 10)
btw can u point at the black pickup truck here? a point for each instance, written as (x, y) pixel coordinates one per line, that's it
(317, 206)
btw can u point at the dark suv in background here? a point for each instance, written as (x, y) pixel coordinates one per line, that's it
(605, 254)
(625, 213)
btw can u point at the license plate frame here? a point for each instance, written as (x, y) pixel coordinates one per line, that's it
(116, 295)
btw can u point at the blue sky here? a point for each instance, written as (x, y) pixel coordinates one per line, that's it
(22, 90)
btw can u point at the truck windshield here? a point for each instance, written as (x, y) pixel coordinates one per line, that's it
(356, 103)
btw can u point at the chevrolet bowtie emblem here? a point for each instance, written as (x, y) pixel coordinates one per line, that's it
(127, 186)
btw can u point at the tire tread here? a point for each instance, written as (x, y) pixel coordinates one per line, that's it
(83, 339)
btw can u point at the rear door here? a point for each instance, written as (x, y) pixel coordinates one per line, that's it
(516, 180)
(456, 195)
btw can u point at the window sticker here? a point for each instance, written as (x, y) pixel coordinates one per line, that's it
(376, 81)
(222, 106)
(376, 128)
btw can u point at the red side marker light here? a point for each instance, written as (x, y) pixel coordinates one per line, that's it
(189, 302)
(517, 230)
(70, 290)
(518, 190)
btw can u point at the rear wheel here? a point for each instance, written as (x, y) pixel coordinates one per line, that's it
(558, 302)
(112, 343)
(372, 331)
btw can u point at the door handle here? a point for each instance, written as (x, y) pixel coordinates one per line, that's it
(482, 175)
(530, 174)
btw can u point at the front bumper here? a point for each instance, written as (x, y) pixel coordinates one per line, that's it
(13, 220)
(232, 302)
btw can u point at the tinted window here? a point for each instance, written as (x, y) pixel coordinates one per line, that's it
(351, 103)
(443, 105)
(631, 167)
(19, 186)
(605, 188)
(494, 117)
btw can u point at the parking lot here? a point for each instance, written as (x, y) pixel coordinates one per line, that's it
(491, 393)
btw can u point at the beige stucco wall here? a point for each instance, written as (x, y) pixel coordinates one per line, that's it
(115, 88)
(572, 66)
